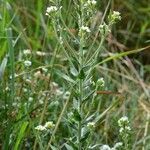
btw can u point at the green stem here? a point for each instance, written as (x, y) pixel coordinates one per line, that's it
(80, 111)
(80, 81)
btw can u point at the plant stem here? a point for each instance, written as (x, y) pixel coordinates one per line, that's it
(80, 82)
(80, 111)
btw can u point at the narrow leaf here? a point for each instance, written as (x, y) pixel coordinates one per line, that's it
(115, 56)
(2, 67)
(21, 135)
(68, 147)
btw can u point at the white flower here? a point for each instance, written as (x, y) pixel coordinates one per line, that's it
(127, 128)
(58, 92)
(51, 9)
(25, 90)
(123, 121)
(30, 99)
(104, 29)
(91, 2)
(49, 125)
(91, 125)
(40, 128)
(105, 147)
(86, 29)
(15, 75)
(27, 63)
(117, 145)
(100, 82)
(27, 52)
(41, 101)
(116, 14)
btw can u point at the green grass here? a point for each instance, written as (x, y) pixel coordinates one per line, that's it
(32, 98)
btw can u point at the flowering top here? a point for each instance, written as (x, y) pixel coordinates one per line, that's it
(91, 125)
(86, 29)
(48, 125)
(83, 30)
(90, 3)
(27, 63)
(105, 147)
(40, 128)
(125, 129)
(123, 121)
(51, 9)
(114, 17)
(100, 82)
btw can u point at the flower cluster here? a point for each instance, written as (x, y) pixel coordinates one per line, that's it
(27, 63)
(117, 146)
(40, 128)
(51, 10)
(90, 3)
(107, 147)
(100, 82)
(27, 52)
(91, 125)
(104, 29)
(84, 29)
(124, 126)
(114, 17)
(48, 125)
(125, 131)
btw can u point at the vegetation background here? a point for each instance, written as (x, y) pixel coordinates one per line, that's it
(23, 25)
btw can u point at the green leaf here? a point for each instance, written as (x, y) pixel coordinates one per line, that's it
(68, 147)
(3, 66)
(76, 115)
(66, 77)
(85, 134)
(98, 118)
(53, 147)
(81, 74)
(73, 71)
(88, 96)
(21, 134)
(116, 56)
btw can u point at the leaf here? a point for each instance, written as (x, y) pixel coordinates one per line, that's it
(53, 147)
(85, 134)
(88, 96)
(66, 77)
(98, 118)
(73, 71)
(76, 115)
(81, 74)
(3, 66)
(21, 134)
(68, 147)
(115, 56)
